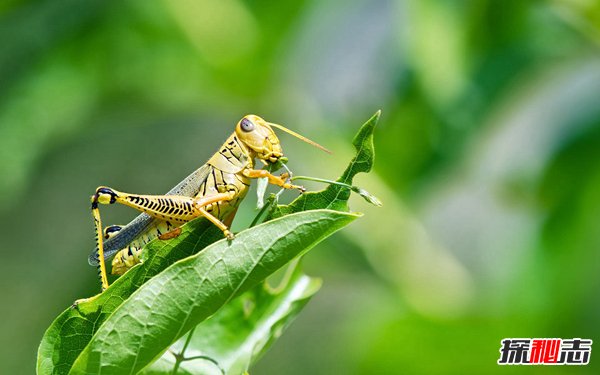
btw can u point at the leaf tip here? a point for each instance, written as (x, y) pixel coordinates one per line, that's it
(367, 196)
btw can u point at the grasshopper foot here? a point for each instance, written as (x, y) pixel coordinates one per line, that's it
(290, 186)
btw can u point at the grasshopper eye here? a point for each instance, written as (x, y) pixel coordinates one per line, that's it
(246, 125)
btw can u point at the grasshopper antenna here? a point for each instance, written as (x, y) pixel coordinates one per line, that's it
(303, 138)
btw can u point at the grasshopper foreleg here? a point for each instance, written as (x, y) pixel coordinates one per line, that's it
(260, 173)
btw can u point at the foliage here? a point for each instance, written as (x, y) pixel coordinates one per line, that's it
(149, 308)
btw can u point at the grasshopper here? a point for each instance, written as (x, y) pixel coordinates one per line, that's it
(213, 191)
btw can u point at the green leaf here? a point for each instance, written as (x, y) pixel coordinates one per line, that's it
(191, 290)
(238, 334)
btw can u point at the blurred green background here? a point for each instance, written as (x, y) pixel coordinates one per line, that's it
(488, 161)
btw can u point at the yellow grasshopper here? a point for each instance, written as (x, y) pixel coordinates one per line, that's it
(213, 191)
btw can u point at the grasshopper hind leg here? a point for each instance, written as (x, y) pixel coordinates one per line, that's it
(172, 208)
(100, 197)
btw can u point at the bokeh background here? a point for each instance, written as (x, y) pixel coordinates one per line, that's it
(488, 161)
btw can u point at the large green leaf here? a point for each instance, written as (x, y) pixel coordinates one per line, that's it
(231, 340)
(191, 290)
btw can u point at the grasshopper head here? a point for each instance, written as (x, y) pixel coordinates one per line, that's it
(258, 135)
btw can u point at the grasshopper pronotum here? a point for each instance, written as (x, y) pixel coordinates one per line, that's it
(213, 191)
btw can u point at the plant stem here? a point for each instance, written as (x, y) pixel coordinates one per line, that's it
(316, 179)
(264, 208)
(206, 358)
(180, 357)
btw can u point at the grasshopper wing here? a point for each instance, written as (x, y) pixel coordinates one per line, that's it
(189, 187)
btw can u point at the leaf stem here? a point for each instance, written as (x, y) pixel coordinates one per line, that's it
(179, 357)
(317, 179)
(206, 358)
(272, 199)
